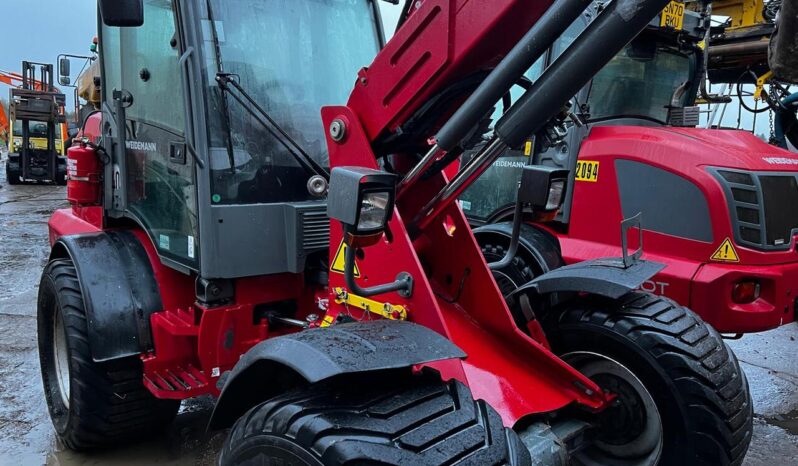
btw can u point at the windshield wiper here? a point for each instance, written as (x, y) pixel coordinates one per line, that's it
(226, 82)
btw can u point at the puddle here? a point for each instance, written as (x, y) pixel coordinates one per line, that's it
(788, 421)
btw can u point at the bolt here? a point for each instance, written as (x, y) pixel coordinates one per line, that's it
(337, 130)
(312, 317)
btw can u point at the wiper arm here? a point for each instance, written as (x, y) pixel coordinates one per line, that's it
(226, 82)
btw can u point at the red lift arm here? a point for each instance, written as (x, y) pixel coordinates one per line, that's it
(442, 42)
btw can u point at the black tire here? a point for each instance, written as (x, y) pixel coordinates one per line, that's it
(382, 420)
(12, 176)
(693, 377)
(107, 404)
(515, 274)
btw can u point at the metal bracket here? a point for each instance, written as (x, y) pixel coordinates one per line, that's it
(626, 225)
(386, 310)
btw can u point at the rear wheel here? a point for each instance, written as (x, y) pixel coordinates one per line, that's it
(382, 420)
(681, 397)
(91, 404)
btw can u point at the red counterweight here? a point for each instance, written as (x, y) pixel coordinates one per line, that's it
(83, 175)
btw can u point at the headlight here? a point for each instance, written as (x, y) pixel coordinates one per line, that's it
(543, 188)
(373, 211)
(362, 200)
(556, 194)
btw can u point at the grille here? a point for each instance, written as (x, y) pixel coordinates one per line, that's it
(315, 229)
(764, 206)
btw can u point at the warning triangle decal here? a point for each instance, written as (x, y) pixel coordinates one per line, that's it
(726, 252)
(340, 261)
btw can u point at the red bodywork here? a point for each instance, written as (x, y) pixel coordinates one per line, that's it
(454, 293)
(691, 277)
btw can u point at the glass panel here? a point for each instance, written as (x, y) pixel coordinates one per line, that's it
(111, 58)
(161, 186)
(634, 87)
(36, 129)
(293, 57)
(152, 75)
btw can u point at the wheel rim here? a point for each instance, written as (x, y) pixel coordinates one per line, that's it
(506, 284)
(630, 431)
(61, 358)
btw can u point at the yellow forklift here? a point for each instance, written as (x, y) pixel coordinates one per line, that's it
(36, 153)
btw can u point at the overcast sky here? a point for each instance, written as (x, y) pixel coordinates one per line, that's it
(40, 30)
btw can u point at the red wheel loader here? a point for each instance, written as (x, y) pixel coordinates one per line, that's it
(717, 205)
(316, 273)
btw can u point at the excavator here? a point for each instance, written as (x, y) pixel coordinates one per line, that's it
(261, 213)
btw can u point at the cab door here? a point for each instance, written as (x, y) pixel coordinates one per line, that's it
(152, 179)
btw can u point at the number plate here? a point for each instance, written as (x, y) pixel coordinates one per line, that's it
(673, 16)
(587, 170)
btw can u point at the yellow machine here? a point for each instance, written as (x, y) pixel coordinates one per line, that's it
(38, 136)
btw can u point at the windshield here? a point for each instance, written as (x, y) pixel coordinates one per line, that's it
(639, 87)
(38, 129)
(293, 57)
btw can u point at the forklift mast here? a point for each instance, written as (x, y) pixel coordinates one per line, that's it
(37, 100)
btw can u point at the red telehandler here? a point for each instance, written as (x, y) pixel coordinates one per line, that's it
(718, 205)
(347, 316)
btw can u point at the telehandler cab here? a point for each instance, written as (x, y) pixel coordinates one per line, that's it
(200, 255)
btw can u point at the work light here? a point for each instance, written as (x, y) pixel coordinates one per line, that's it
(362, 199)
(543, 188)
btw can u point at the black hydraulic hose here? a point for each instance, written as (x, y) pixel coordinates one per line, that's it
(535, 43)
(616, 26)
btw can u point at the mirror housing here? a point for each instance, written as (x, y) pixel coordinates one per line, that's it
(64, 67)
(361, 199)
(122, 13)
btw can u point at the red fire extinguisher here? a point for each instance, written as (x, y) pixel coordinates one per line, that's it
(83, 175)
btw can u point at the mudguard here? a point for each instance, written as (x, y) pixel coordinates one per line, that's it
(318, 354)
(119, 291)
(536, 244)
(611, 278)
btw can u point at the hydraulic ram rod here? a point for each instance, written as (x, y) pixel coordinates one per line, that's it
(545, 31)
(616, 26)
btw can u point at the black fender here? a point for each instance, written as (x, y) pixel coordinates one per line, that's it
(538, 246)
(609, 278)
(310, 356)
(119, 291)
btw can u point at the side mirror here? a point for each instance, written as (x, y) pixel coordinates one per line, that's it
(64, 81)
(64, 67)
(122, 13)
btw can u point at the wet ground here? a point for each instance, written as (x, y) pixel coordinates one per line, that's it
(26, 438)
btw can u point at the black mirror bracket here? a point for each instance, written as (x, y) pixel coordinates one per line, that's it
(403, 284)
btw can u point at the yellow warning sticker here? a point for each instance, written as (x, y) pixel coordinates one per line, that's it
(726, 252)
(587, 170)
(528, 148)
(340, 261)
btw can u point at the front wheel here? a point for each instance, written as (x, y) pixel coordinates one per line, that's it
(681, 397)
(92, 404)
(374, 420)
